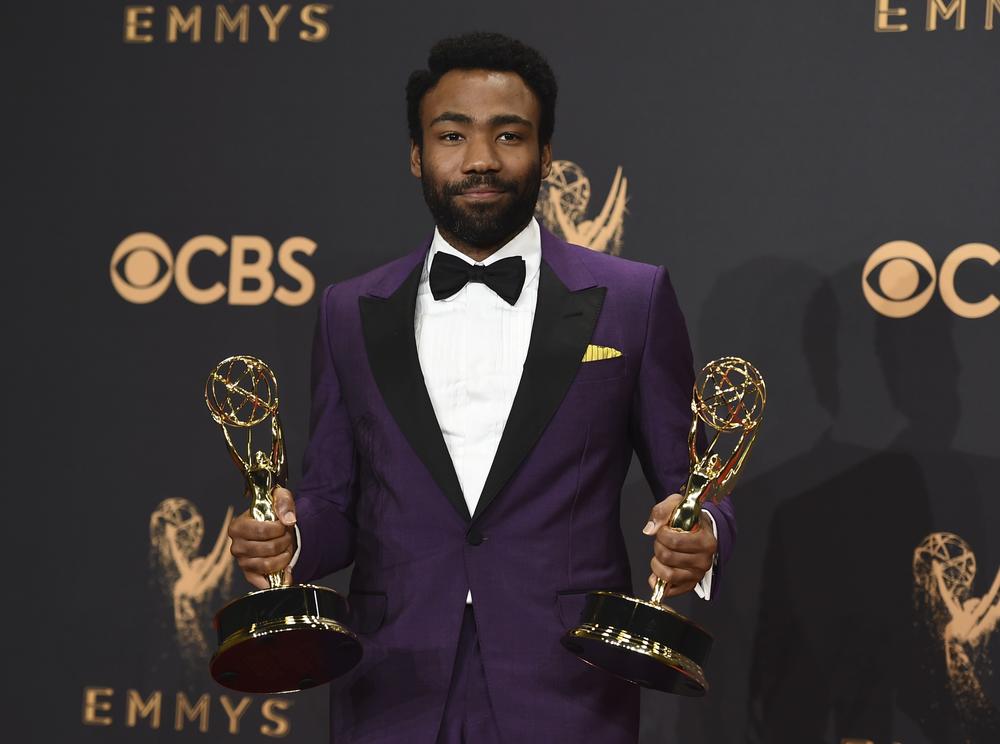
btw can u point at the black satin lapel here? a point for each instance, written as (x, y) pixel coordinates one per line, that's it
(387, 325)
(563, 326)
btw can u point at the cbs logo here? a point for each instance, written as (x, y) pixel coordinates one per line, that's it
(899, 279)
(143, 266)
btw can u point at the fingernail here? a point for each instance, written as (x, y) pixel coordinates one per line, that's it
(289, 518)
(650, 528)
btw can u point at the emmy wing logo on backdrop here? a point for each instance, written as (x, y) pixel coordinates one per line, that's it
(562, 207)
(944, 568)
(191, 583)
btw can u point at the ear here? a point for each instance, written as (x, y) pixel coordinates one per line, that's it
(416, 163)
(546, 160)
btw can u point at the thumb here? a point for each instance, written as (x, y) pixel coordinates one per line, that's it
(660, 514)
(284, 505)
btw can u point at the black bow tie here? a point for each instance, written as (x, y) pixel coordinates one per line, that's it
(450, 273)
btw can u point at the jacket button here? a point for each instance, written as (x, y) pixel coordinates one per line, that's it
(474, 537)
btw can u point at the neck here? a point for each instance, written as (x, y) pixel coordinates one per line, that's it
(477, 253)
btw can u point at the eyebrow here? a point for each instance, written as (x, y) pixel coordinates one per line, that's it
(498, 120)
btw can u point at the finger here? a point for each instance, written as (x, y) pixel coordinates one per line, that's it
(660, 514)
(674, 590)
(234, 524)
(261, 548)
(670, 590)
(652, 582)
(284, 505)
(680, 541)
(256, 580)
(247, 528)
(286, 578)
(265, 566)
(674, 576)
(692, 561)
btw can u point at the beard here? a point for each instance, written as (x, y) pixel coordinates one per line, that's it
(482, 225)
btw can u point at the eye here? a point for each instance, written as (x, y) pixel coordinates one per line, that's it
(451, 137)
(140, 267)
(509, 137)
(898, 279)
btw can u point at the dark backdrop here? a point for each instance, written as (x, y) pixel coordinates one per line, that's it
(767, 151)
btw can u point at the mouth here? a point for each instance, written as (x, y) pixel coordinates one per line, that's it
(482, 193)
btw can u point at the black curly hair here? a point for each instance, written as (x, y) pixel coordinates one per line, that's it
(484, 51)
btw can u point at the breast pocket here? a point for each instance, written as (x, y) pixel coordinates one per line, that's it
(602, 370)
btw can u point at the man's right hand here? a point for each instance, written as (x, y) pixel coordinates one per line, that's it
(263, 548)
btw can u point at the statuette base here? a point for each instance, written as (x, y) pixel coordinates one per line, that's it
(284, 639)
(642, 642)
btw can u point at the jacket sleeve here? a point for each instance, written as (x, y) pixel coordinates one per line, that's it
(325, 499)
(661, 411)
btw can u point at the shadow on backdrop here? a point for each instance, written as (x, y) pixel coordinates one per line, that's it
(798, 355)
(951, 701)
(815, 612)
(819, 637)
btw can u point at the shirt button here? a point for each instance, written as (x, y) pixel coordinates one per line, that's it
(474, 537)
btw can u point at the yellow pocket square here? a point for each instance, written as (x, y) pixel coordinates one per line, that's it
(599, 353)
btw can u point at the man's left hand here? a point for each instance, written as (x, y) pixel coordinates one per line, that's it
(680, 558)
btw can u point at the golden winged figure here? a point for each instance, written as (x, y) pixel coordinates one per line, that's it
(563, 202)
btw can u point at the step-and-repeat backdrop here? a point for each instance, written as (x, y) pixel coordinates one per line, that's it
(821, 178)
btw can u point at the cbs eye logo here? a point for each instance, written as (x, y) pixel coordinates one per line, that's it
(143, 267)
(899, 279)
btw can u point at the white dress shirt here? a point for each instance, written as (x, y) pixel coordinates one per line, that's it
(472, 348)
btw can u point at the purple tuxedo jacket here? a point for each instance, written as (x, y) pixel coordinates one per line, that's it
(379, 490)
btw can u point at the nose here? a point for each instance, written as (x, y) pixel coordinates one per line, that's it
(480, 156)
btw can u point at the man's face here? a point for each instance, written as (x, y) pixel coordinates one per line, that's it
(480, 163)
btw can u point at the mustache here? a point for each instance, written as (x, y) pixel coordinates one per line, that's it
(489, 181)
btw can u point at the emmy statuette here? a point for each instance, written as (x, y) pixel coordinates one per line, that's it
(283, 638)
(644, 641)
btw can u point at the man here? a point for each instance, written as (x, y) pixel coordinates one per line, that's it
(462, 455)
